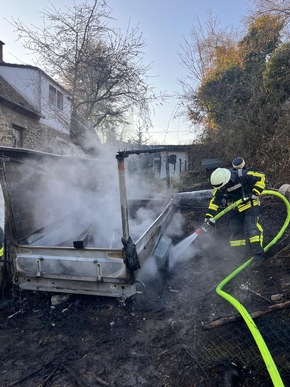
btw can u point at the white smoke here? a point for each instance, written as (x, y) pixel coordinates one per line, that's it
(68, 195)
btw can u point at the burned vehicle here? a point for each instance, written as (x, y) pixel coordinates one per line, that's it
(67, 223)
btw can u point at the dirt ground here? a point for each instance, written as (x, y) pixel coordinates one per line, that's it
(152, 339)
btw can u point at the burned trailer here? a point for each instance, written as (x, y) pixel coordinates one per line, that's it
(63, 225)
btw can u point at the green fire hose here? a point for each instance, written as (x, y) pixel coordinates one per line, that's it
(269, 362)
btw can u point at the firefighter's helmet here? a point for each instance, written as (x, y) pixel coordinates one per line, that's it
(220, 177)
(238, 163)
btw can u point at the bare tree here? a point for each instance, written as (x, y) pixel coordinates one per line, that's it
(280, 8)
(209, 47)
(200, 51)
(141, 136)
(242, 99)
(102, 68)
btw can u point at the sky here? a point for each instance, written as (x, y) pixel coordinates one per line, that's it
(164, 24)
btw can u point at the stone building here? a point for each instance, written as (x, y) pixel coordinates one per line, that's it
(35, 111)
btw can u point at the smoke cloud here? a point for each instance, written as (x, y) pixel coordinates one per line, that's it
(64, 197)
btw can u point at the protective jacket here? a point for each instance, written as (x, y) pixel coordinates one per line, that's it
(243, 184)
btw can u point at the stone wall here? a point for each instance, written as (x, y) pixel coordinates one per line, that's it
(6, 138)
(36, 136)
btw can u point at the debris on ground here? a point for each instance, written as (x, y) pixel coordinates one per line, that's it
(161, 337)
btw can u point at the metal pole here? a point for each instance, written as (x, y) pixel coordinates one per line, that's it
(121, 155)
(167, 170)
(7, 204)
(123, 197)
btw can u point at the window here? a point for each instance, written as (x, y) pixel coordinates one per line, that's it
(59, 100)
(17, 133)
(55, 97)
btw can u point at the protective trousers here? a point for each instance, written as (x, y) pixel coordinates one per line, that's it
(246, 232)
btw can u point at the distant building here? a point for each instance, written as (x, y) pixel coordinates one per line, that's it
(174, 157)
(35, 111)
(159, 161)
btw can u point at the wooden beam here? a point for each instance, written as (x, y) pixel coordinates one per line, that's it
(259, 313)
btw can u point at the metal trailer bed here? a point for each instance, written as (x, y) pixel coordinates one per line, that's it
(51, 239)
(50, 253)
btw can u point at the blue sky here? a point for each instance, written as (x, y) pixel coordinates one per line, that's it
(164, 25)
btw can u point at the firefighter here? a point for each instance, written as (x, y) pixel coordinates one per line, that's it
(239, 163)
(229, 186)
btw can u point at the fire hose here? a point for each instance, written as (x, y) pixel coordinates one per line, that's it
(266, 355)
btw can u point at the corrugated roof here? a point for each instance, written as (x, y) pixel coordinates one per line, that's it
(212, 163)
(168, 147)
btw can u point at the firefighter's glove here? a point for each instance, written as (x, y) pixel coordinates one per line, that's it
(254, 197)
(250, 197)
(209, 221)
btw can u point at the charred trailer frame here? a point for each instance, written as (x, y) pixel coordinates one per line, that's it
(34, 263)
